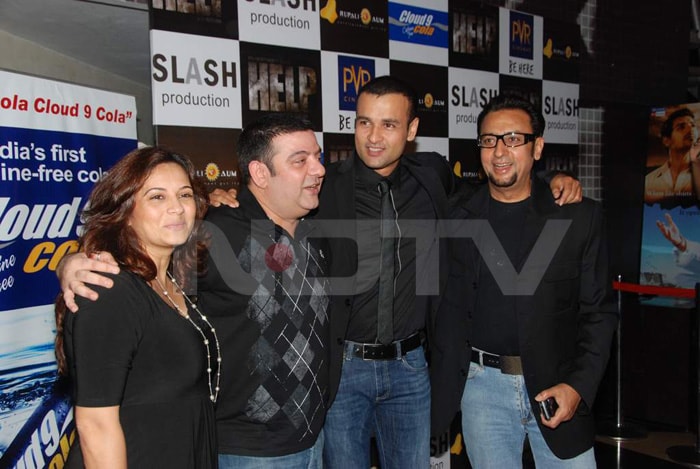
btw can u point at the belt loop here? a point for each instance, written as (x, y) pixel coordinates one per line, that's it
(399, 355)
(481, 356)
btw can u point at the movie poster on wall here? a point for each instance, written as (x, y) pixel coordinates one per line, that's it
(281, 79)
(473, 35)
(56, 141)
(671, 223)
(216, 18)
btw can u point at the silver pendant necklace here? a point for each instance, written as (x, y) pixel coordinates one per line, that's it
(213, 390)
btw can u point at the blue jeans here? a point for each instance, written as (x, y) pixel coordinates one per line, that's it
(496, 416)
(387, 398)
(307, 459)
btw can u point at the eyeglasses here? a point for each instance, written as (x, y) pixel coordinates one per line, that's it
(511, 139)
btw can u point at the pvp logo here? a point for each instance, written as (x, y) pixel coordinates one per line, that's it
(353, 73)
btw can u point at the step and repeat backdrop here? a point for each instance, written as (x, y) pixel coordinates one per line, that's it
(217, 65)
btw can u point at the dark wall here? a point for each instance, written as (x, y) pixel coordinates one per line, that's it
(638, 58)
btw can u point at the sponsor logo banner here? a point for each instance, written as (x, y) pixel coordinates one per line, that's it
(344, 75)
(561, 51)
(520, 37)
(292, 23)
(465, 159)
(418, 34)
(417, 25)
(356, 27)
(195, 80)
(560, 109)
(470, 90)
(56, 141)
(430, 84)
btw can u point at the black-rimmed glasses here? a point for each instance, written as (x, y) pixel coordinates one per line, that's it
(510, 139)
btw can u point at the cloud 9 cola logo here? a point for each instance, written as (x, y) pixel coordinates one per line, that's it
(418, 25)
(46, 439)
(415, 23)
(353, 73)
(46, 222)
(273, 86)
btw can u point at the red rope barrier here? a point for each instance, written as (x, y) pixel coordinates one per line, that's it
(654, 290)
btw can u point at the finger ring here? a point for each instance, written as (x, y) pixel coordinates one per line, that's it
(98, 256)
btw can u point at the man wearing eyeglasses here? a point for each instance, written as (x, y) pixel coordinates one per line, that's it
(530, 293)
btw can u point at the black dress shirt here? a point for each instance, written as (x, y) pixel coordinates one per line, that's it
(412, 202)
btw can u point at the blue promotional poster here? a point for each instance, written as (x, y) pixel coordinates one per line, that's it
(670, 254)
(56, 141)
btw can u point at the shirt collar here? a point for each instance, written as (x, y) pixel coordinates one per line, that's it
(368, 178)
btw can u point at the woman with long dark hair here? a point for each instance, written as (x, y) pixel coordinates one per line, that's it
(143, 360)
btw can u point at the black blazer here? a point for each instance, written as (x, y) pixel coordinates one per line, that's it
(565, 328)
(337, 203)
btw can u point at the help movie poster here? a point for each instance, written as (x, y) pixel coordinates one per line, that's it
(56, 141)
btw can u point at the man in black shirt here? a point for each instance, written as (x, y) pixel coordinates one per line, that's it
(526, 320)
(265, 290)
(376, 388)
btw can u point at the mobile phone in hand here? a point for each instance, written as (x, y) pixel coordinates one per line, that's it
(548, 408)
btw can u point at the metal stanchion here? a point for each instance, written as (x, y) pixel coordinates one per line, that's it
(691, 454)
(620, 430)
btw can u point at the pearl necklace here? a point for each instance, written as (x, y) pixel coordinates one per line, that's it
(213, 391)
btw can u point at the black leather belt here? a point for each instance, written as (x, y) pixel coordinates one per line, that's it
(509, 365)
(390, 351)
